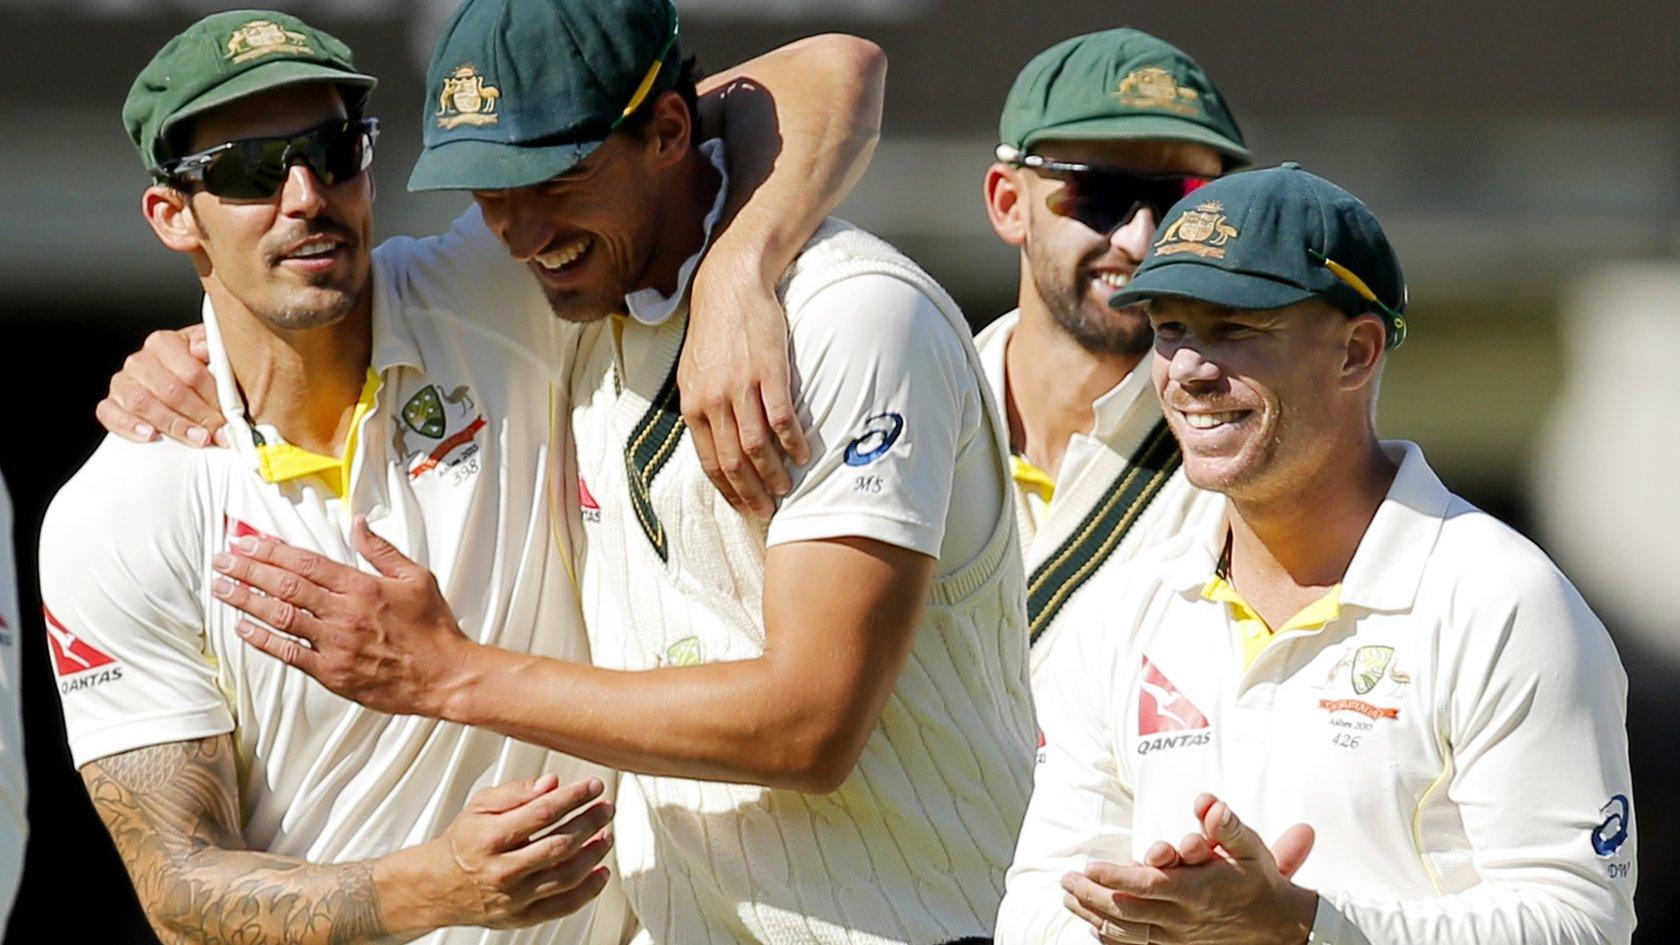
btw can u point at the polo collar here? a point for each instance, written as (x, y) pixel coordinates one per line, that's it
(1387, 567)
(1132, 397)
(1130, 401)
(649, 306)
(393, 346)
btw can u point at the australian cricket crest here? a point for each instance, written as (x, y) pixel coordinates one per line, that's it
(466, 99)
(260, 38)
(1369, 664)
(439, 431)
(1203, 231)
(1154, 87)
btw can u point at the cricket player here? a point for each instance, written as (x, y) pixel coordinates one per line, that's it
(1101, 134)
(14, 784)
(1350, 647)
(415, 385)
(826, 717)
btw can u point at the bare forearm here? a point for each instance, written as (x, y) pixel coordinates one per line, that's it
(800, 125)
(796, 717)
(715, 722)
(172, 819)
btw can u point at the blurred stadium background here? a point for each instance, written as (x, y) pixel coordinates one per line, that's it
(1524, 156)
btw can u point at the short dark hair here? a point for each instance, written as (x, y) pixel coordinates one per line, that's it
(689, 74)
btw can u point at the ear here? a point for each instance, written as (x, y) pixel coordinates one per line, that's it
(670, 128)
(1006, 203)
(1366, 340)
(169, 213)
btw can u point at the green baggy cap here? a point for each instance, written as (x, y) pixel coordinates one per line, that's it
(521, 90)
(1118, 84)
(227, 56)
(1271, 238)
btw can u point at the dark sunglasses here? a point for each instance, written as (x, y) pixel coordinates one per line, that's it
(1104, 199)
(254, 168)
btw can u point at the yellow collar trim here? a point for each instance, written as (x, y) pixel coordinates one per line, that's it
(1311, 617)
(283, 462)
(1030, 477)
(1252, 632)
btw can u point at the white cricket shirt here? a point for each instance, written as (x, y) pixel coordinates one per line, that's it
(1456, 737)
(1106, 506)
(452, 465)
(14, 784)
(912, 846)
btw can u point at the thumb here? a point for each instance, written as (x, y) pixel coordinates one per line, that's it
(1292, 848)
(380, 553)
(198, 344)
(1221, 826)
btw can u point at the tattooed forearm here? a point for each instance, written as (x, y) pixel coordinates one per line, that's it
(173, 812)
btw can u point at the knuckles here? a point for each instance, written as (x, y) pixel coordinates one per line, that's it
(283, 616)
(309, 567)
(289, 588)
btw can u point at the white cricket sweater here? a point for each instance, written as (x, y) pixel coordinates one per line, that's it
(913, 846)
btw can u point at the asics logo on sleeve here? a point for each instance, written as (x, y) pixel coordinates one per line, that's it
(1609, 836)
(880, 432)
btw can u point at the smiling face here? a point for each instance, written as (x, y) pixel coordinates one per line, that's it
(1260, 400)
(589, 235)
(1073, 269)
(299, 259)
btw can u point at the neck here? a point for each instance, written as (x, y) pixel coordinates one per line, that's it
(1287, 549)
(306, 383)
(1057, 379)
(693, 189)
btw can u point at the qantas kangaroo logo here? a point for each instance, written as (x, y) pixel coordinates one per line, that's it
(1162, 708)
(75, 660)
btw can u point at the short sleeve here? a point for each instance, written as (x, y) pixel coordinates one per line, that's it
(122, 572)
(889, 401)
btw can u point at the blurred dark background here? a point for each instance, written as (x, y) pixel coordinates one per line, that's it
(1525, 157)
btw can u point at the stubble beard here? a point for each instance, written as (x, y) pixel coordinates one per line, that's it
(322, 299)
(573, 305)
(330, 306)
(1110, 333)
(584, 304)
